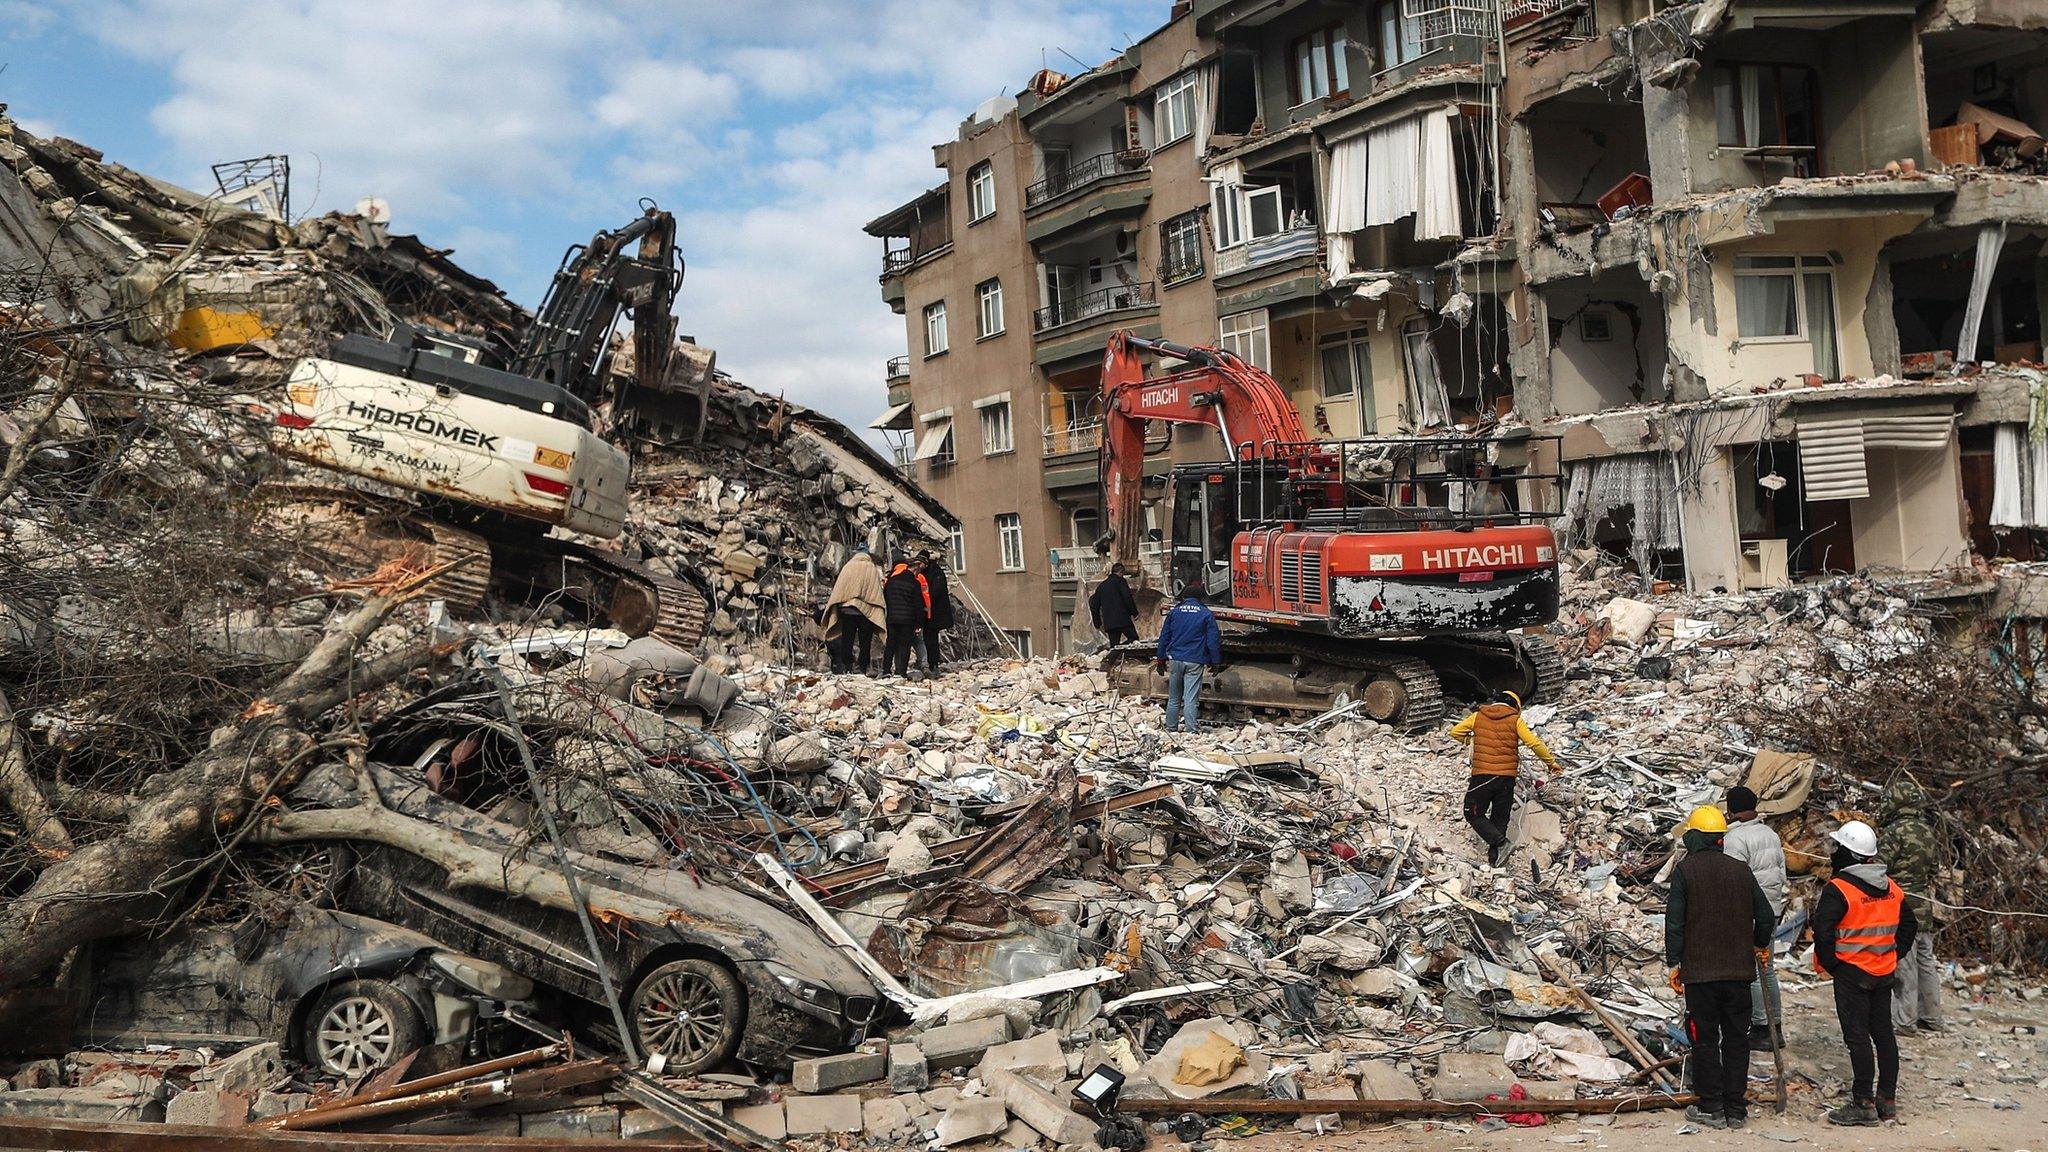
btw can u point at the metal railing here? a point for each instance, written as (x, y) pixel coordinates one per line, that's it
(1117, 298)
(1188, 267)
(1443, 19)
(1086, 436)
(1071, 177)
(1300, 241)
(898, 368)
(1083, 563)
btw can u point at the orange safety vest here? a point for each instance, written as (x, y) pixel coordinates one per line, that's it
(1497, 742)
(1868, 934)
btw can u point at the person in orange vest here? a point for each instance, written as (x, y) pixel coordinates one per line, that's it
(1861, 926)
(1496, 734)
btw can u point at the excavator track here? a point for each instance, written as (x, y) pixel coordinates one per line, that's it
(643, 602)
(1403, 689)
(468, 578)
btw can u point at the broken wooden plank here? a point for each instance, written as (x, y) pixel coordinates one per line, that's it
(55, 1134)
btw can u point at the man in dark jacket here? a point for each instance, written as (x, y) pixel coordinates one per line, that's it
(1114, 609)
(903, 595)
(1717, 923)
(942, 608)
(1189, 641)
(1861, 926)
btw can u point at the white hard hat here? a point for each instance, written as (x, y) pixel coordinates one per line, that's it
(1857, 837)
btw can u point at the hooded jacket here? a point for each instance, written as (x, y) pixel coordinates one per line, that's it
(1753, 843)
(1870, 878)
(858, 585)
(1906, 844)
(904, 593)
(1496, 733)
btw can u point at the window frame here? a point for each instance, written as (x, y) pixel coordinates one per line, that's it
(1802, 265)
(997, 416)
(936, 311)
(1227, 215)
(1021, 637)
(1357, 345)
(1251, 340)
(1401, 21)
(1251, 197)
(982, 317)
(1730, 71)
(1009, 531)
(1188, 227)
(1171, 89)
(975, 198)
(1332, 70)
(956, 549)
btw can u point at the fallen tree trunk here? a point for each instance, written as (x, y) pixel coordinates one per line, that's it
(106, 887)
(38, 820)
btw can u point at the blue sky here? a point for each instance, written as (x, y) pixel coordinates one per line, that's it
(509, 129)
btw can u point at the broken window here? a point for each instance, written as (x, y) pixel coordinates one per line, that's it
(1429, 403)
(981, 192)
(1769, 108)
(1226, 203)
(1010, 541)
(1627, 505)
(934, 328)
(1400, 35)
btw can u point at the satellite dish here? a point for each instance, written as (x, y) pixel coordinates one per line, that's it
(375, 209)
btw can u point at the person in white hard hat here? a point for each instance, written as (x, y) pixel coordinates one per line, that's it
(1861, 926)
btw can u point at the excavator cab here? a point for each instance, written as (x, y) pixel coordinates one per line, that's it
(1212, 503)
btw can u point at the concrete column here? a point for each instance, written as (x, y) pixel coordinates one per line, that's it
(1713, 540)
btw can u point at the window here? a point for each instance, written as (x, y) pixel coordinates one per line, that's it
(1244, 336)
(1226, 210)
(1173, 109)
(1347, 368)
(1180, 248)
(981, 192)
(1400, 35)
(1264, 212)
(1789, 298)
(935, 443)
(956, 550)
(1087, 525)
(1021, 637)
(1010, 541)
(997, 434)
(934, 329)
(988, 317)
(1766, 106)
(1320, 69)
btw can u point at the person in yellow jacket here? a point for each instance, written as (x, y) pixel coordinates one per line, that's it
(1496, 733)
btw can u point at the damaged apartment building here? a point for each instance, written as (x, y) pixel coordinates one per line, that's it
(1769, 271)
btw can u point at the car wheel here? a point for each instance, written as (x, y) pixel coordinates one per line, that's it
(690, 1011)
(361, 1026)
(304, 873)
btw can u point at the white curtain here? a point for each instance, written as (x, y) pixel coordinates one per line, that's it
(2008, 489)
(1990, 242)
(1392, 152)
(1205, 106)
(1752, 110)
(1344, 187)
(1226, 181)
(1436, 216)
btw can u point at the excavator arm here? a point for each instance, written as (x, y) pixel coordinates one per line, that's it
(634, 269)
(1248, 408)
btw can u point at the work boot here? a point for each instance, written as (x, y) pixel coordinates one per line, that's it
(1737, 1123)
(1934, 1026)
(1887, 1109)
(1856, 1114)
(1705, 1118)
(1760, 1037)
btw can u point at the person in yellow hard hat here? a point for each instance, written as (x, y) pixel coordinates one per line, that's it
(1717, 922)
(1496, 733)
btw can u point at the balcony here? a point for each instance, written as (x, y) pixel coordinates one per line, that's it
(1083, 564)
(1082, 174)
(1090, 305)
(1260, 251)
(898, 368)
(1522, 19)
(1087, 437)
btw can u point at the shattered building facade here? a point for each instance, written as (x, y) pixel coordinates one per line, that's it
(1771, 270)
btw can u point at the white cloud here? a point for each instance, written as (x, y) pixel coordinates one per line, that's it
(666, 96)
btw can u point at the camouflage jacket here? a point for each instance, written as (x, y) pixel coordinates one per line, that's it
(1906, 843)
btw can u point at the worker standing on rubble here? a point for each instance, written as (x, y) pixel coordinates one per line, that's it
(909, 607)
(1717, 925)
(1189, 642)
(1907, 845)
(1753, 842)
(854, 613)
(1114, 609)
(1861, 925)
(1496, 733)
(940, 597)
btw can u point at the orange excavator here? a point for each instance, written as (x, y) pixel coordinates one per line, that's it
(1371, 571)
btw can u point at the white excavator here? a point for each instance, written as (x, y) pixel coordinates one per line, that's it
(490, 451)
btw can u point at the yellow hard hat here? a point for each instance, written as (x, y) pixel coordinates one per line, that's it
(1707, 818)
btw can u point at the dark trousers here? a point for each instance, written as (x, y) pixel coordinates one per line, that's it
(1489, 802)
(1717, 1023)
(1122, 634)
(1866, 1016)
(931, 648)
(896, 650)
(855, 633)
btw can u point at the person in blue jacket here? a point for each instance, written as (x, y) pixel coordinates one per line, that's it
(1189, 641)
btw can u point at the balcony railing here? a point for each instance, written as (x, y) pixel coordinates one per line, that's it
(898, 368)
(1087, 436)
(896, 260)
(1085, 564)
(1117, 298)
(1443, 19)
(1077, 175)
(1301, 241)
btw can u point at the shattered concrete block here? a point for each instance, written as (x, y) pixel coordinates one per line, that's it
(38, 1074)
(207, 1108)
(1038, 1056)
(1381, 1080)
(249, 1071)
(960, 1045)
(884, 1116)
(971, 1119)
(831, 1073)
(597, 1123)
(907, 1069)
(1289, 881)
(114, 1096)
(816, 1115)
(1046, 1113)
(270, 1102)
(763, 1119)
(1551, 1089)
(1462, 1077)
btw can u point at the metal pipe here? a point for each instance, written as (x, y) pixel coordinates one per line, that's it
(311, 1117)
